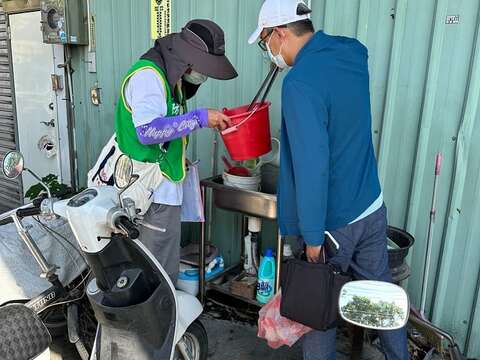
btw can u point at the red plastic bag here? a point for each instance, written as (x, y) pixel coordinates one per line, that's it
(275, 328)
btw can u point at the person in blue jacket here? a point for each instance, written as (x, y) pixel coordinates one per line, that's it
(328, 172)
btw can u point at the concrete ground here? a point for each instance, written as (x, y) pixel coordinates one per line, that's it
(232, 341)
(240, 342)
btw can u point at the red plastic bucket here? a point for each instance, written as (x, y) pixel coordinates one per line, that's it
(249, 136)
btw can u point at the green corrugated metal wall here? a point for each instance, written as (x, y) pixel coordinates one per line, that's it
(425, 86)
(122, 33)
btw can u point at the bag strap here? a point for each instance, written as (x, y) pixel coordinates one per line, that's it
(102, 165)
(323, 254)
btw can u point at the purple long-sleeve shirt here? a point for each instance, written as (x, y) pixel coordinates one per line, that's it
(163, 129)
(145, 94)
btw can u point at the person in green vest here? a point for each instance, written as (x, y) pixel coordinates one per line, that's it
(152, 123)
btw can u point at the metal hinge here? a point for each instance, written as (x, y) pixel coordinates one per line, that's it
(9, 33)
(57, 83)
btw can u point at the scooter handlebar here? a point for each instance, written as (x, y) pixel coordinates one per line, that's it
(6, 221)
(22, 213)
(28, 212)
(126, 225)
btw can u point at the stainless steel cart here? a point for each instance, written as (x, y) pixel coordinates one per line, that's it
(247, 203)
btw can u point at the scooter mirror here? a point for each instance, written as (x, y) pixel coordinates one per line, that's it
(374, 305)
(123, 172)
(12, 164)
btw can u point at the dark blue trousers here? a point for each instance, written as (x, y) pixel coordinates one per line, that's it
(363, 251)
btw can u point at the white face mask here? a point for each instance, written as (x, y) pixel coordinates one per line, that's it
(195, 78)
(276, 59)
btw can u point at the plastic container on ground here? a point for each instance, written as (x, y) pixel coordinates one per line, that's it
(397, 253)
(404, 241)
(189, 276)
(266, 278)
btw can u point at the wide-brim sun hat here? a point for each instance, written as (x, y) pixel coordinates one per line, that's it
(202, 42)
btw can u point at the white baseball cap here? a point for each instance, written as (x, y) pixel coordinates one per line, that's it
(275, 13)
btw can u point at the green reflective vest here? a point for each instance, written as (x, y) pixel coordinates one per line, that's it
(172, 160)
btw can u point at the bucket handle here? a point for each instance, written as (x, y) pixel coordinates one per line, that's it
(272, 158)
(236, 127)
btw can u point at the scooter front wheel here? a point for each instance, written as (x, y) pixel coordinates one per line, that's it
(194, 343)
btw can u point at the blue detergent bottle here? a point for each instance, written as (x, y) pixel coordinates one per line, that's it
(266, 278)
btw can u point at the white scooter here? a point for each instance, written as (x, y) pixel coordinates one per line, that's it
(140, 314)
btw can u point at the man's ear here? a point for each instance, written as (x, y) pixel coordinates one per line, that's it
(281, 32)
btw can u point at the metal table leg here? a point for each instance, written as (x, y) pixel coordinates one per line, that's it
(201, 261)
(279, 261)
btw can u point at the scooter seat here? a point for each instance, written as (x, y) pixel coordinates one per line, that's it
(22, 334)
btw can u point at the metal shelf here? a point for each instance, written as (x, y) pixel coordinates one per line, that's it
(225, 271)
(225, 290)
(247, 203)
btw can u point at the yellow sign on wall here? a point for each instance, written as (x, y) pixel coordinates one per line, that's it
(161, 18)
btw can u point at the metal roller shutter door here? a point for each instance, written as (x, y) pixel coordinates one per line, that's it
(10, 190)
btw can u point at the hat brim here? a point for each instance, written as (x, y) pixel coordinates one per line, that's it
(255, 35)
(214, 66)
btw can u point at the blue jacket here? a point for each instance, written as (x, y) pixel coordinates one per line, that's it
(328, 171)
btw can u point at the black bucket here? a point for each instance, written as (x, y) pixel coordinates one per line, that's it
(396, 257)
